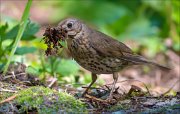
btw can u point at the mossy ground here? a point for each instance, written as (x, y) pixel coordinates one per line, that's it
(47, 101)
(5, 96)
(124, 105)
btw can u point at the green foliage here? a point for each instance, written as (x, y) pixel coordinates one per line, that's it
(3, 29)
(5, 95)
(67, 67)
(56, 67)
(22, 25)
(8, 39)
(48, 101)
(25, 50)
(33, 71)
(30, 31)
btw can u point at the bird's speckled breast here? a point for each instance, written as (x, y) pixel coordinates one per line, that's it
(89, 58)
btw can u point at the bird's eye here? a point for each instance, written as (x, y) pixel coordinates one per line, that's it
(69, 25)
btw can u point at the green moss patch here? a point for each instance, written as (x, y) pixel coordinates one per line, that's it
(47, 101)
(4, 95)
(122, 105)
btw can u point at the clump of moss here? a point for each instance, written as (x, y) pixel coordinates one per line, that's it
(5, 95)
(122, 105)
(45, 100)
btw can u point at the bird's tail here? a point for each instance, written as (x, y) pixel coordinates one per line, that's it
(137, 59)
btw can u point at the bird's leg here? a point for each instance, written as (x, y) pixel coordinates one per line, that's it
(94, 78)
(115, 77)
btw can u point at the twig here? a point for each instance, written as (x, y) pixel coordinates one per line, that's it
(107, 87)
(94, 98)
(13, 75)
(8, 99)
(22, 82)
(52, 82)
(6, 90)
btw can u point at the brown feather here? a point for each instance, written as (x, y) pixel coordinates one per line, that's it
(107, 46)
(137, 59)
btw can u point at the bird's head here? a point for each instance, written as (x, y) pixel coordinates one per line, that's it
(70, 27)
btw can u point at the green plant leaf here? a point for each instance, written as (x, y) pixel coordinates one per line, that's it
(3, 29)
(32, 70)
(25, 50)
(30, 30)
(140, 29)
(67, 67)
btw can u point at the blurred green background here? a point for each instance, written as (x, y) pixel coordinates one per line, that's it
(149, 27)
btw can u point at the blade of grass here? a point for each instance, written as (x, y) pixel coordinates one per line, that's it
(22, 26)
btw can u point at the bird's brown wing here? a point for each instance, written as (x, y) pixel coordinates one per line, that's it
(107, 46)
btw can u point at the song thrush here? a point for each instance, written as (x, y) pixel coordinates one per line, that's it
(97, 52)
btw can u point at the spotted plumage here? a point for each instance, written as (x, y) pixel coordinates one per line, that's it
(97, 52)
